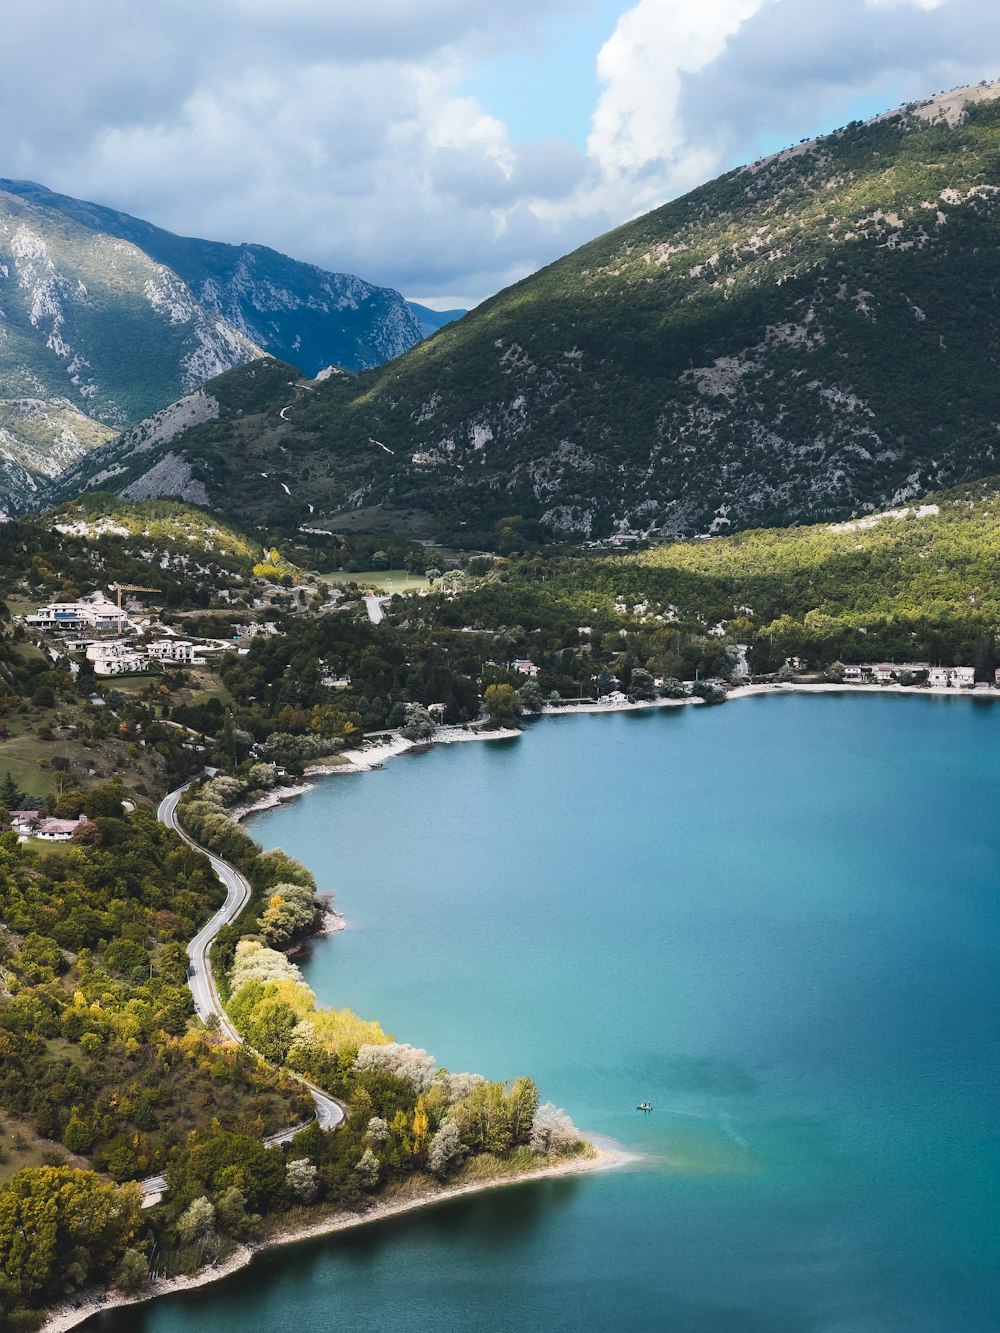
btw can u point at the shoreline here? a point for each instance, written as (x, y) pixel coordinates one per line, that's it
(389, 745)
(85, 1305)
(767, 687)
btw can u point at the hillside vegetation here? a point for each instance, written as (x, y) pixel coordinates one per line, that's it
(805, 338)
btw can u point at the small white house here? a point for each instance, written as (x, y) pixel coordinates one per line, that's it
(58, 830)
(251, 630)
(173, 650)
(524, 666)
(960, 677)
(115, 659)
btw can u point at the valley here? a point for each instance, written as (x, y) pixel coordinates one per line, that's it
(267, 526)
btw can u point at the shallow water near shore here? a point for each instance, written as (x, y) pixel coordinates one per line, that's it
(779, 921)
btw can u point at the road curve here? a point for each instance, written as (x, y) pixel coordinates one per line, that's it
(330, 1113)
(200, 978)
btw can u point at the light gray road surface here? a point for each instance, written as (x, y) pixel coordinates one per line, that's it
(330, 1114)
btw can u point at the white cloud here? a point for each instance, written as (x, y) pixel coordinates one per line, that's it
(644, 64)
(898, 4)
(346, 134)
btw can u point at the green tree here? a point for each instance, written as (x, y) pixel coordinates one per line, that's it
(502, 704)
(132, 1273)
(10, 794)
(60, 1228)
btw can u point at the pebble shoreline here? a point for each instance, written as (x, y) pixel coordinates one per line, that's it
(88, 1304)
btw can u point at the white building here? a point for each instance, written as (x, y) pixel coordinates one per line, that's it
(952, 677)
(95, 613)
(115, 659)
(524, 666)
(172, 650)
(30, 824)
(331, 681)
(58, 830)
(254, 628)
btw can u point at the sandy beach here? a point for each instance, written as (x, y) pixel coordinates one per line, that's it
(375, 754)
(269, 799)
(89, 1303)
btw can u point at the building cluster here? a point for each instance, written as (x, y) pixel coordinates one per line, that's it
(882, 673)
(120, 656)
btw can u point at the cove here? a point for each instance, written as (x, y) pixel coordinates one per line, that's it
(779, 921)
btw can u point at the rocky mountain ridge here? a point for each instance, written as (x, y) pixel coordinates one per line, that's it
(93, 334)
(292, 310)
(105, 318)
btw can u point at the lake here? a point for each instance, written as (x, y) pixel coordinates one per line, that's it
(778, 920)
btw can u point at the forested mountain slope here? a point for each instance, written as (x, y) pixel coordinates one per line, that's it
(805, 338)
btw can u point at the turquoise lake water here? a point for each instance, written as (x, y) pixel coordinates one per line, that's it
(778, 920)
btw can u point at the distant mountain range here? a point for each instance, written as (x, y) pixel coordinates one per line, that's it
(432, 320)
(105, 318)
(808, 337)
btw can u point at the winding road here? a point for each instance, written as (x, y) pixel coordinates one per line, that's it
(329, 1113)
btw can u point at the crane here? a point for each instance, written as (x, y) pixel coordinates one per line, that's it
(129, 587)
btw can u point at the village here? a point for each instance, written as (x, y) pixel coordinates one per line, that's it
(125, 641)
(128, 642)
(911, 673)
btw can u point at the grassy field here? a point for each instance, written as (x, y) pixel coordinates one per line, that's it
(205, 685)
(20, 1147)
(19, 757)
(21, 606)
(382, 580)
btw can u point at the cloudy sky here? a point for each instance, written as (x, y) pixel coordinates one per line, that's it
(446, 147)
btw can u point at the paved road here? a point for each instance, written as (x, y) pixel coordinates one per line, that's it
(200, 979)
(374, 605)
(330, 1114)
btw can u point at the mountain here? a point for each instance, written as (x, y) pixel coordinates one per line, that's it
(93, 334)
(432, 320)
(808, 337)
(294, 311)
